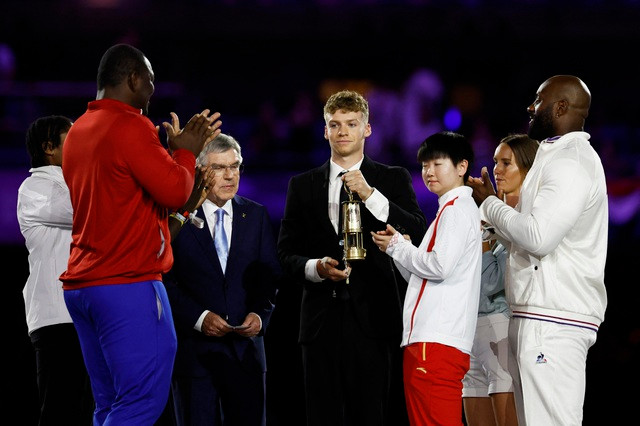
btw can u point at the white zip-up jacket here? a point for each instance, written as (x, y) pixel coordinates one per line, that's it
(441, 304)
(45, 216)
(558, 234)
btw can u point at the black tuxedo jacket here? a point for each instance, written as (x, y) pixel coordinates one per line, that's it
(374, 290)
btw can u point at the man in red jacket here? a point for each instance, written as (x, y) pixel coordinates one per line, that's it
(122, 182)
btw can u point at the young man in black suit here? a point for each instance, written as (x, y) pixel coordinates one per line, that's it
(350, 330)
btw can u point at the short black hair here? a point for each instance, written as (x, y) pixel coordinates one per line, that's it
(43, 130)
(117, 63)
(447, 145)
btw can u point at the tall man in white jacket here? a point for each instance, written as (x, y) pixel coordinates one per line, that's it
(555, 272)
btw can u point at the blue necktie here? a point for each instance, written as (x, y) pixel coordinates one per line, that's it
(220, 239)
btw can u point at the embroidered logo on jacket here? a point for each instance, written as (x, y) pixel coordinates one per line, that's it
(541, 359)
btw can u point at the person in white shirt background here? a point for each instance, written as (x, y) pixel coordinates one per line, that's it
(555, 272)
(45, 216)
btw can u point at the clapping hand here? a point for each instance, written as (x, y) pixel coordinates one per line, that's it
(482, 187)
(196, 134)
(201, 188)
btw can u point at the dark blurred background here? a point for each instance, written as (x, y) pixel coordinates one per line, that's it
(471, 66)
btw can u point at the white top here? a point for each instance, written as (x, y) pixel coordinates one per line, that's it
(441, 304)
(45, 216)
(558, 236)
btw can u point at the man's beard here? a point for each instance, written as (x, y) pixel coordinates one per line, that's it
(541, 126)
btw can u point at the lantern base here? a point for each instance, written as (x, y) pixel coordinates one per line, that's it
(355, 253)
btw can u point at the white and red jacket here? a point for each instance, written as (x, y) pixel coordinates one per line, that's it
(441, 304)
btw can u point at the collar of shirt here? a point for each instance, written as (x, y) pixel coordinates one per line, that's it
(50, 172)
(551, 140)
(334, 169)
(458, 191)
(209, 210)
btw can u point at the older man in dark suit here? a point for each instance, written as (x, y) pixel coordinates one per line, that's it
(350, 330)
(222, 289)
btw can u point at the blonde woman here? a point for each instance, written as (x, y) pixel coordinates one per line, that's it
(487, 393)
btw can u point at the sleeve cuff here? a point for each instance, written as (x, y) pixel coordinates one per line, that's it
(396, 239)
(311, 272)
(198, 326)
(378, 205)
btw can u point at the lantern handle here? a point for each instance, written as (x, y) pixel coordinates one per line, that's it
(348, 191)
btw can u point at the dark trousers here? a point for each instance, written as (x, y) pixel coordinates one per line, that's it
(351, 379)
(231, 393)
(64, 389)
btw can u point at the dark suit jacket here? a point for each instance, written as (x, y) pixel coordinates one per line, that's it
(196, 283)
(306, 233)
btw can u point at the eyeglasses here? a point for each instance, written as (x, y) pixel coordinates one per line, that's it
(219, 169)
